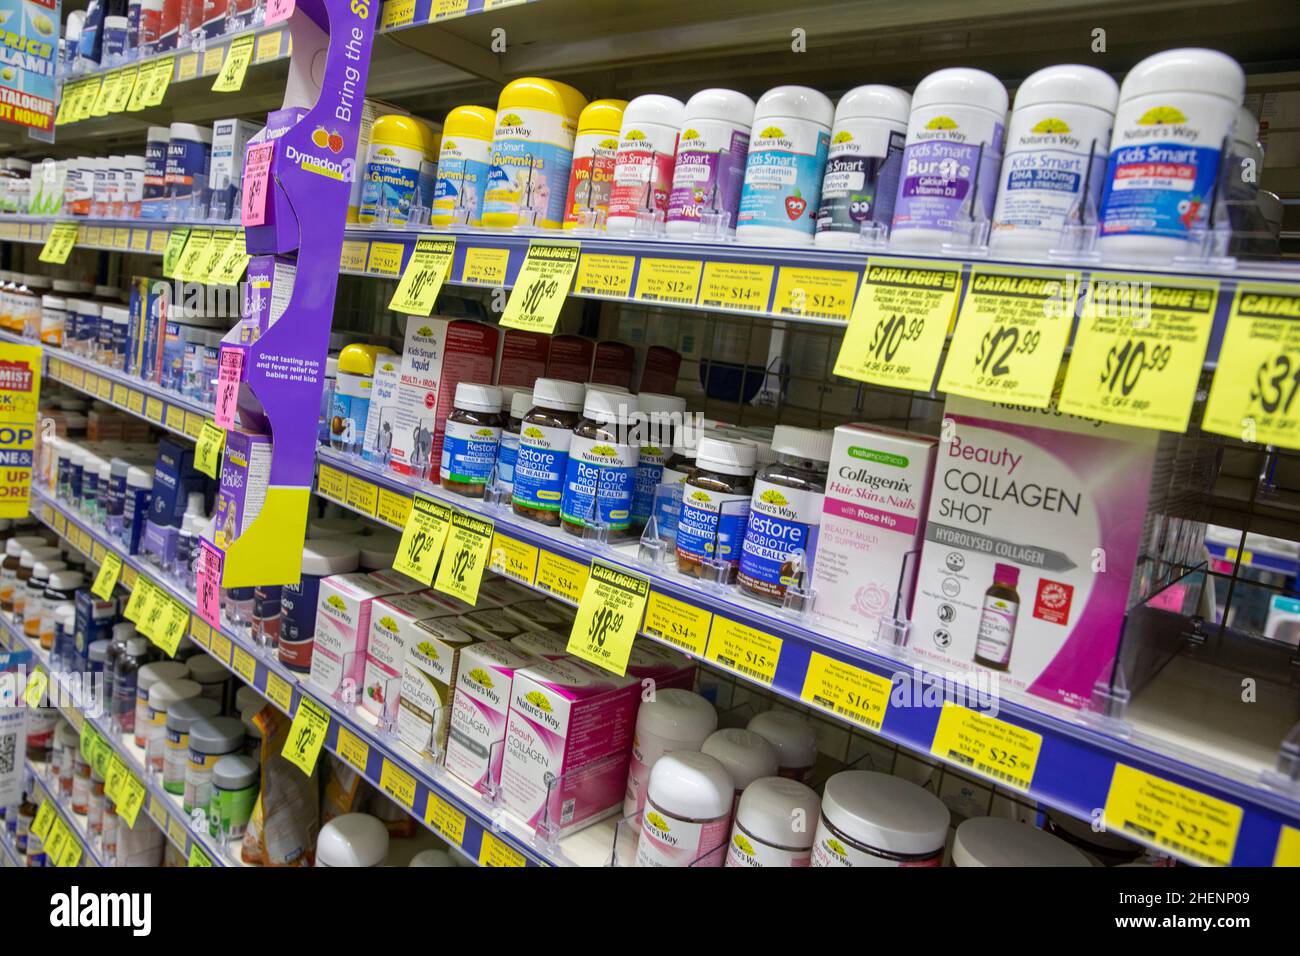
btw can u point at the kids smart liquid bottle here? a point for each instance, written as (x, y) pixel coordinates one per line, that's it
(997, 628)
(463, 166)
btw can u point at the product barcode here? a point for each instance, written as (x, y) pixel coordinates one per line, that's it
(8, 751)
(856, 717)
(960, 757)
(1186, 850)
(999, 774)
(751, 672)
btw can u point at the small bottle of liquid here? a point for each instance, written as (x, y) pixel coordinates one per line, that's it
(998, 619)
(124, 684)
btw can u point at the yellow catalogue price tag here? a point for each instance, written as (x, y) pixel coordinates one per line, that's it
(423, 277)
(609, 616)
(847, 691)
(306, 735)
(1258, 375)
(899, 323)
(59, 243)
(176, 241)
(987, 745)
(1011, 331)
(1182, 820)
(192, 256)
(141, 594)
(106, 580)
(159, 79)
(423, 539)
(465, 555)
(541, 286)
(231, 77)
(1138, 352)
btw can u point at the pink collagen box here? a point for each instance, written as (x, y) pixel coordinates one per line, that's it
(393, 629)
(476, 737)
(568, 743)
(343, 609)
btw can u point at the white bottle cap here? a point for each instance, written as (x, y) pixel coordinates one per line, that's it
(322, 556)
(728, 457)
(158, 134)
(433, 858)
(679, 715)
(962, 86)
(478, 398)
(745, 754)
(66, 580)
(334, 527)
(151, 674)
(780, 812)
(797, 101)
(691, 785)
(1069, 83)
(521, 402)
(202, 134)
(802, 442)
(139, 477)
(1186, 70)
(874, 102)
(992, 841)
(719, 104)
(378, 551)
(248, 700)
(164, 693)
(654, 403)
(353, 839)
(43, 569)
(652, 108)
(207, 670)
(558, 394)
(791, 735)
(603, 406)
(884, 812)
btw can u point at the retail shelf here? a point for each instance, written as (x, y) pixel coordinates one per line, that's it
(459, 815)
(9, 855)
(1254, 558)
(154, 404)
(75, 822)
(1073, 755)
(107, 235)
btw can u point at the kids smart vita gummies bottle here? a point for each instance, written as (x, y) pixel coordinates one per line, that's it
(952, 157)
(592, 174)
(710, 168)
(1057, 141)
(643, 168)
(783, 174)
(862, 167)
(1176, 109)
(463, 166)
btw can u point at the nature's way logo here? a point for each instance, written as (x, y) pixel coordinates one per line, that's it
(691, 133)
(531, 432)
(336, 602)
(634, 135)
(483, 433)
(1162, 116)
(1051, 125)
(427, 649)
(424, 330)
(773, 497)
(942, 122)
(538, 700)
(511, 119)
(700, 496)
(608, 144)
(388, 624)
(448, 144)
(743, 845)
(772, 132)
(843, 136)
(480, 676)
(836, 847)
(656, 821)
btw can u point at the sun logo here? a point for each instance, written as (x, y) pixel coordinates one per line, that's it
(743, 845)
(773, 497)
(1162, 116)
(772, 132)
(843, 136)
(531, 432)
(336, 602)
(942, 122)
(424, 330)
(427, 649)
(511, 119)
(1051, 125)
(656, 821)
(479, 676)
(538, 700)
(388, 624)
(634, 135)
(700, 496)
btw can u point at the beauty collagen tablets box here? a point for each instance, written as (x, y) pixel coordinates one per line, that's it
(476, 738)
(429, 673)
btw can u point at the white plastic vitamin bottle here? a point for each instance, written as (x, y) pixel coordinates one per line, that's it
(775, 825)
(864, 162)
(952, 157)
(676, 719)
(873, 819)
(1176, 109)
(1057, 143)
(643, 168)
(710, 169)
(687, 812)
(783, 175)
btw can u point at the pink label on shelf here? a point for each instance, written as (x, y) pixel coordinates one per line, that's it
(277, 10)
(257, 175)
(228, 376)
(209, 585)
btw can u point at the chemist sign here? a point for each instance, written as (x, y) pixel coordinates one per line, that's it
(20, 388)
(29, 48)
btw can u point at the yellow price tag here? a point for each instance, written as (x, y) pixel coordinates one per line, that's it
(744, 650)
(465, 555)
(228, 269)
(153, 409)
(1138, 353)
(211, 63)
(131, 794)
(45, 817)
(422, 280)
(1288, 847)
(673, 281)
(362, 496)
(1179, 819)
(280, 692)
(106, 579)
(494, 852)
(89, 96)
(353, 749)
(385, 258)
(1253, 394)
(37, 683)
(353, 258)
(244, 664)
(989, 746)
(397, 783)
(846, 691)
(61, 117)
(205, 270)
(485, 267)
(135, 402)
(188, 68)
(541, 286)
(1011, 331)
(736, 286)
(197, 856)
(141, 595)
(207, 452)
(107, 93)
(176, 242)
(238, 56)
(393, 509)
(815, 293)
(444, 819)
(70, 857)
(158, 239)
(126, 85)
(606, 275)
(677, 623)
(446, 9)
(332, 483)
(397, 13)
(306, 735)
(220, 647)
(160, 78)
(423, 539)
(268, 47)
(194, 425)
(559, 576)
(59, 243)
(196, 248)
(140, 88)
(175, 419)
(609, 616)
(57, 840)
(514, 559)
(899, 323)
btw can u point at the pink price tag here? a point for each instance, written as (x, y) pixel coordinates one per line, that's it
(257, 180)
(277, 10)
(228, 375)
(209, 585)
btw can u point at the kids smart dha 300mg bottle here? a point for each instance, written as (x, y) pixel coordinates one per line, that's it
(1176, 113)
(1057, 143)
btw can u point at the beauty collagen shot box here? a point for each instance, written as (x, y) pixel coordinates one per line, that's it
(568, 742)
(476, 738)
(1036, 520)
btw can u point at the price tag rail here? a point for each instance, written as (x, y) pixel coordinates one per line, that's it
(1078, 753)
(76, 823)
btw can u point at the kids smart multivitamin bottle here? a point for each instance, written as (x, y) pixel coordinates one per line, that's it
(783, 174)
(463, 166)
(643, 168)
(592, 174)
(1057, 142)
(997, 628)
(862, 167)
(710, 168)
(1176, 114)
(532, 151)
(952, 157)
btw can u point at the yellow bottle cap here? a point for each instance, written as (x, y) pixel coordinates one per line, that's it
(397, 130)
(359, 359)
(531, 92)
(474, 122)
(602, 116)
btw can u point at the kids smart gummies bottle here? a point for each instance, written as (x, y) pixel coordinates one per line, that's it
(710, 168)
(643, 168)
(862, 167)
(1057, 141)
(997, 627)
(532, 150)
(463, 166)
(783, 174)
(952, 157)
(594, 150)
(1176, 109)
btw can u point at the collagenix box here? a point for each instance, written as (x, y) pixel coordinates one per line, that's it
(392, 630)
(568, 743)
(476, 739)
(438, 355)
(429, 674)
(245, 473)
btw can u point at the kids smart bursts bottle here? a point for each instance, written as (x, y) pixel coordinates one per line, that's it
(463, 166)
(532, 150)
(594, 151)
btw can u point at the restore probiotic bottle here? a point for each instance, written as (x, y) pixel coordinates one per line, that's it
(1057, 142)
(600, 479)
(1176, 112)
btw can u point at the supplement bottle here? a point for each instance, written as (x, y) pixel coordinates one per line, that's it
(352, 839)
(864, 162)
(952, 158)
(601, 473)
(399, 170)
(873, 819)
(14, 549)
(774, 824)
(149, 675)
(710, 169)
(163, 696)
(687, 812)
(746, 755)
(1176, 110)
(997, 627)
(794, 741)
(189, 154)
(56, 601)
(544, 439)
(54, 316)
(532, 152)
(643, 168)
(33, 601)
(1057, 142)
(234, 791)
(181, 716)
(153, 203)
(351, 402)
(469, 448)
(785, 513)
(210, 739)
(992, 841)
(463, 166)
(674, 720)
(677, 468)
(587, 203)
(125, 673)
(715, 507)
(213, 679)
(658, 418)
(783, 173)
(320, 558)
(123, 631)
(520, 402)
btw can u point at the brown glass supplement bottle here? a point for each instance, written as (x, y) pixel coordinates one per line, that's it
(14, 549)
(715, 506)
(469, 448)
(544, 438)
